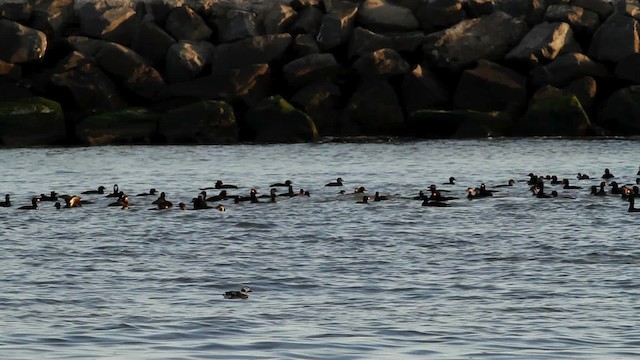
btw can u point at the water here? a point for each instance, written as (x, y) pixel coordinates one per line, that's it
(504, 277)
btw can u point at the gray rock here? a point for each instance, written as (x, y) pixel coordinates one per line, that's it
(127, 126)
(278, 19)
(337, 25)
(152, 42)
(21, 44)
(381, 63)
(421, 90)
(185, 24)
(205, 122)
(621, 112)
(31, 121)
(380, 15)
(374, 110)
(627, 68)
(566, 68)
(440, 14)
(364, 41)
(308, 21)
(489, 37)
(53, 17)
(544, 43)
(309, 69)
(256, 50)
(16, 11)
(236, 25)
(615, 39)
(115, 24)
(490, 87)
(274, 120)
(581, 20)
(321, 101)
(187, 59)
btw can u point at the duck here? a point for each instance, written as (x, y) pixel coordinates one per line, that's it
(34, 204)
(420, 196)
(583, 176)
(152, 191)
(359, 190)
(632, 207)
(220, 208)
(53, 196)
(125, 203)
(67, 199)
(220, 185)
(57, 205)
(100, 190)
(200, 203)
(338, 182)
(607, 174)
(289, 192)
(6, 202)
(120, 201)
(163, 205)
(303, 192)
(567, 186)
(533, 179)
(365, 200)
(601, 192)
(437, 196)
(160, 199)
(282, 184)
(428, 202)
(555, 181)
(615, 188)
(452, 181)
(511, 182)
(223, 195)
(73, 201)
(234, 294)
(378, 197)
(182, 206)
(116, 191)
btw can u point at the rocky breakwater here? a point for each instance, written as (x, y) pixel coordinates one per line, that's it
(222, 71)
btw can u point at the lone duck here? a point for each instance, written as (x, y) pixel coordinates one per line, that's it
(33, 206)
(338, 182)
(242, 294)
(607, 174)
(152, 191)
(6, 202)
(452, 181)
(116, 191)
(583, 176)
(220, 185)
(284, 184)
(100, 190)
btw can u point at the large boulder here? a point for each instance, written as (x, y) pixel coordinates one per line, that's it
(16, 10)
(422, 90)
(31, 121)
(278, 19)
(374, 109)
(152, 42)
(53, 17)
(615, 39)
(305, 44)
(274, 120)
(21, 44)
(381, 63)
(115, 24)
(185, 24)
(128, 126)
(603, 8)
(436, 124)
(337, 25)
(621, 112)
(364, 41)
(321, 101)
(206, 122)
(585, 89)
(440, 14)
(92, 90)
(489, 37)
(565, 68)
(308, 21)
(490, 87)
(478, 8)
(310, 68)
(381, 15)
(544, 43)
(581, 20)
(555, 114)
(531, 11)
(122, 63)
(236, 25)
(187, 59)
(256, 50)
(627, 68)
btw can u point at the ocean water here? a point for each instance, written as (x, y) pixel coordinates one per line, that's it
(507, 277)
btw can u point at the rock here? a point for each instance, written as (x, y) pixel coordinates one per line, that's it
(490, 87)
(436, 124)
(10, 71)
(19, 11)
(321, 101)
(249, 83)
(615, 39)
(581, 20)
(421, 90)
(364, 41)
(374, 109)
(337, 25)
(412, 5)
(305, 44)
(256, 50)
(620, 113)
(555, 115)
(629, 8)
(627, 68)
(584, 88)
(439, 14)
(603, 8)
(152, 42)
(187, 59)
(31, 121)
(309, 69)
(185, 24)
(565, 68)
(302, 4)
(91, 89)
(236, 25)
(489, 37)
(274, 120)
(121, 63)
(308, 21)
(159, 10)
(531, 11)
(128, 126)
(381, 63)
(114, 24)
(53, 17)
(380, 15)
(278, 19)
(544, 43)
(205, 122)
(21, 44)
(478, 8)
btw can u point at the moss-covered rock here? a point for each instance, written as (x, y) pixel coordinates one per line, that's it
(205, 122)
(31, 121)
(274, 120)
(128, 126)
(621, 112)
(458, 123)
(555, 115)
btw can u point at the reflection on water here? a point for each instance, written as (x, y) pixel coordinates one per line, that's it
(510, 276)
